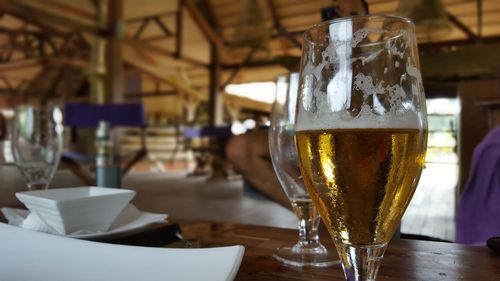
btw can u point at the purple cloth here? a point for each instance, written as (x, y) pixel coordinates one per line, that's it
(89, 115)
(478, 215)
(191, 133)
(222, 132)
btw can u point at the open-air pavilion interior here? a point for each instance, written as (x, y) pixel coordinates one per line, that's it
(196, 64)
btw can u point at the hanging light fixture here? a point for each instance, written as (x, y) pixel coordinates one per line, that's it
(251, 31)
(429, 16)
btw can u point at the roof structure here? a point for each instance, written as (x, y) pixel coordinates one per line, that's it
(44, 44)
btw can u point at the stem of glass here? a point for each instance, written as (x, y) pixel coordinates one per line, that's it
(308, 221)
(360, 263)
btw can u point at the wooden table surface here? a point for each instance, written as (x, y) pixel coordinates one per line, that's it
(404, 259)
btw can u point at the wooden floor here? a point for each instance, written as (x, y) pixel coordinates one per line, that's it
(432, 209)
(181, 197)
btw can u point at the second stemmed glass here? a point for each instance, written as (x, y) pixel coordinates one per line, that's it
(37, 143)
(308, 251)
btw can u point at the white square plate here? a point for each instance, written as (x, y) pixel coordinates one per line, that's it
(44, 257)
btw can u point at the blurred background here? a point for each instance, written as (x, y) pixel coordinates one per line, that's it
(204, 70)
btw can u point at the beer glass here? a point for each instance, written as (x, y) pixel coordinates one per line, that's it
(308, 251)
(37, 143)
(361, 132)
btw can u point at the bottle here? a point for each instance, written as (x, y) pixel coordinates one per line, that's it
(108, 171)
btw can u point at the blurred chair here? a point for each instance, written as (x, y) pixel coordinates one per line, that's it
(478, 214)
(83, 115)
(209, 144)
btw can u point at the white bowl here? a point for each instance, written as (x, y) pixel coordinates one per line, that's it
(78, 208)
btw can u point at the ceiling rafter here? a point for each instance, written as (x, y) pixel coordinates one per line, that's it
(208, 30)
(461, 26)
(68, 9)
(141, 28)
(46, 15)
(140, 45)
(282, 31)
(166, 31)
(178, 29)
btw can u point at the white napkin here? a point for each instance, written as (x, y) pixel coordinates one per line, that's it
(129, 218)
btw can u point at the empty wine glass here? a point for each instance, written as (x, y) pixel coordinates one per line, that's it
(308, 251)
(37, 143)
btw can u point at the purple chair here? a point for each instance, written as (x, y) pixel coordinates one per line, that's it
(84, 115)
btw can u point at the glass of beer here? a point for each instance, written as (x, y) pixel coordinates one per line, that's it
(308, 251)
(361, 132)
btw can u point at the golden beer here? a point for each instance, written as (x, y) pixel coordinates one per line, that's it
(361, 180)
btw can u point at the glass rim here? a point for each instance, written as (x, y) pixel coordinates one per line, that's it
(351, 18)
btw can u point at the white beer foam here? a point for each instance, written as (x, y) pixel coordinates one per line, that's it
(306, 122)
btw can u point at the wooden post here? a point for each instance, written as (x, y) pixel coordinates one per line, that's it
(179, 28)
(97, 69)
(114, 62)
(190, 106)
(215, 104)
(234, 111)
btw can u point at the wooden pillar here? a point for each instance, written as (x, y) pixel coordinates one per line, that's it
(215, 103)
(97, 69)
(190, 107)
(114, 62)
(233, 110)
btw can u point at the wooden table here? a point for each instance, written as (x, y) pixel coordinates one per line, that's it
(404, 259)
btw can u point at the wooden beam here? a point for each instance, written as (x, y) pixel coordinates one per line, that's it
(8, 91)
(208, 31)
(24, 31)
(460, 42)
(466, 62)
(479, 8)
(78, 63)
(160, 51)
(163, 75)
(460, 25)
(141, 28)
(208, 7)
(46, 15)
(151, 94)
(151, 16)
(162, 26)
(247, 103)
(179, 27)
(115, 85)
(284, 33)
(6, 82)
(238, 69)
(40, 24)
(67, 9)
(20, 64)
(215, 103)
(97, 69)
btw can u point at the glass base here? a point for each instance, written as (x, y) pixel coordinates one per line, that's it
(306, 257)
(37, 186)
